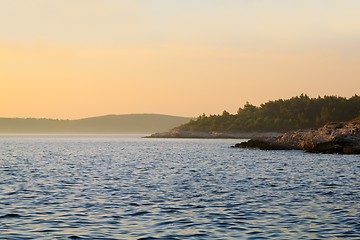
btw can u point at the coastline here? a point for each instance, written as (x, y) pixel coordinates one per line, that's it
(335, 137)
(176, 133)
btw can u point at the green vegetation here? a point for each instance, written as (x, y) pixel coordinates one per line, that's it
(280, 115)
(133, 123)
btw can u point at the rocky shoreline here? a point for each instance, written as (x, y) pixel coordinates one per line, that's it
(178, 133)
(333, 138)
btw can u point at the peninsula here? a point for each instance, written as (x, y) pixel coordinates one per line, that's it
(270, 119)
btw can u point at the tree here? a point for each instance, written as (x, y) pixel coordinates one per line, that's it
(281, 115)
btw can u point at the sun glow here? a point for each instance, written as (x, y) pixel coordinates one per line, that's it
(73, 60)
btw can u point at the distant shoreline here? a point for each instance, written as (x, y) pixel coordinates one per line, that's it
(176, 133)
(109, 124)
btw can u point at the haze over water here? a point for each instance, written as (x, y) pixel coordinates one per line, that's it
(127, 187)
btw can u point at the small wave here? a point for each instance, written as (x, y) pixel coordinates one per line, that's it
(171, 210)
(134, 204)
(160, 238)
(75, 237)
(140, 213)
(11, 215)
(148, 238)
(171, 222)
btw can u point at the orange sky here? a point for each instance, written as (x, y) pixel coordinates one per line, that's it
(73, 59)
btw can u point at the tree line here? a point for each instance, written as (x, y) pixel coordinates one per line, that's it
(280, 115)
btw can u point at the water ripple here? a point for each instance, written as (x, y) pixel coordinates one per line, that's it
(116, 187)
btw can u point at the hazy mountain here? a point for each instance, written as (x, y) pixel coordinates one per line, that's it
(131, 123)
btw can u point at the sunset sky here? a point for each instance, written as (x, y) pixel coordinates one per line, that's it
(71, 59)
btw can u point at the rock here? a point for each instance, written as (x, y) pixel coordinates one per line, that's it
(351, 150)
(325, 147)
(341, 138)
(263, 145)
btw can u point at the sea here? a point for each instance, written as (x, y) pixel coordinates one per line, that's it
(130, 187)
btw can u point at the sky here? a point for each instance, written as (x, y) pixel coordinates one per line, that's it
(70, 59)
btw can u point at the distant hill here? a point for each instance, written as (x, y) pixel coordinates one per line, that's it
(110, 124)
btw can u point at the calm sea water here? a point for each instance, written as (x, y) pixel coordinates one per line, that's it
(127, 187)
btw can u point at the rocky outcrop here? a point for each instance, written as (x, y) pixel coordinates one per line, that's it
(265, 144)
(179, 133)
(341, 137)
